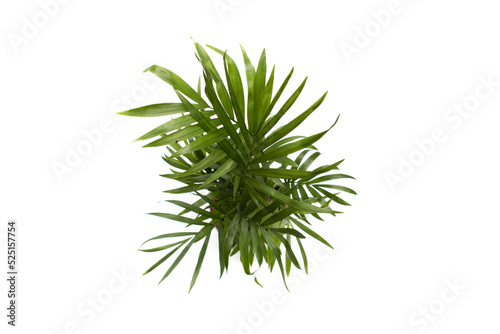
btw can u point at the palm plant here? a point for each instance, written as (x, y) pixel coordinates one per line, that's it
(253, 184)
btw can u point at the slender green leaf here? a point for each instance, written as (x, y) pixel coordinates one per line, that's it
(235, 86)
(268, 94)
(289, 148)
(330, 177)
(201, 118)
(221, 88)
(200, 261)
(280, 173)
(256, 281)
(288, 104)
(256, 242)
(163, 259)
(333, 197)
(222, 259)
(177, 83)
(275, 251)
(290, 126)
(174, 124)
(288, 259)
(288, 248)
(285, 199)
(236, 186)
(250, 74)
(244, 241)
(289, 231)
(222, 170)
(156, 249)
(202, 142)
(183, 134)
(231, 233)
(170, 235)
(341, 188)
(178, 218)
(177, 260)
(259, 90)
(309, 161)
(274, 101)
(304, 255)
(311, 232)
(211, 159)
(221, 114)
(277, 217)
(155, 110)
(193, 208)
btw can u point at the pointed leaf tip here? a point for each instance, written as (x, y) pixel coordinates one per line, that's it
(257, 281)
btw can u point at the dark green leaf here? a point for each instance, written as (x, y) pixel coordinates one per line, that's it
(257, 243)
(178, 218)
(163, 259)
(290, 231)
(259, 90)
(244, 241)
(285, 199)
(304, 256)
(200, 261)
(275, 251)
(311, 232)
(177, 260)
(250, 74)
(288, 248)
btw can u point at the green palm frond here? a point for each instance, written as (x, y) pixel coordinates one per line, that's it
(253, 181)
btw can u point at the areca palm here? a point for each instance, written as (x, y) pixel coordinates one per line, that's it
(254, 185)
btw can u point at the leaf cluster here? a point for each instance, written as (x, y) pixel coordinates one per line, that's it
(254, 185)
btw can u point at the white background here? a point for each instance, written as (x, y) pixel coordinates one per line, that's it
(395, 248)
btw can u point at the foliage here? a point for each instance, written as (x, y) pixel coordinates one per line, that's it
(254, 186)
